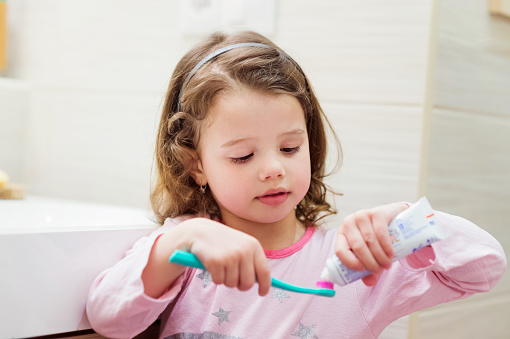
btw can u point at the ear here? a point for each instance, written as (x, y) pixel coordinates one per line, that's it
(197, 170)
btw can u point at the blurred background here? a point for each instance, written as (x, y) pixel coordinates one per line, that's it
(418, 93)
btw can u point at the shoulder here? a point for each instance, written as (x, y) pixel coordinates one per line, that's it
(322, 239)
(323, 231)
(172, 222)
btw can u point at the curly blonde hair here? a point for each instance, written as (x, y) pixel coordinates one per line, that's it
(269, 70)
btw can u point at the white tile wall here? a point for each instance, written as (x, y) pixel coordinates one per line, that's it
(469, 175)
(92, 145)
(473, 50)
(359, 51)
(89, 60)
(381, 152)
(14, 103)
(479, 316)
(469, 167)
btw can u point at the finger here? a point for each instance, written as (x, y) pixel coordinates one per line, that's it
(232, 273)
(246, 274)
(216, 269)
(368, 232)
(262, 272)
(358, 243)
(380, 223)
(345, 255)
(370, 280)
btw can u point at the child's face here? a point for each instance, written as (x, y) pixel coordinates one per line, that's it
(255, 156)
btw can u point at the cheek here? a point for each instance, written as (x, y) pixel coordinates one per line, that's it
(226, 184)
(231, 193)
(303, 174)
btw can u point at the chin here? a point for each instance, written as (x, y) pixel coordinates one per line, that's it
(267, 215)
(272, 218)
(269, 220)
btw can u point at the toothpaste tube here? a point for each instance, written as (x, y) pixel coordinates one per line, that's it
(411, 230)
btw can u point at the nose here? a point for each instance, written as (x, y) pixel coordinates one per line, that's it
(272, 167)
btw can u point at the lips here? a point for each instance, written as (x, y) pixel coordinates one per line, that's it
(274, 197)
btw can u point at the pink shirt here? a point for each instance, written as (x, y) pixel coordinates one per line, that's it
(467, 262)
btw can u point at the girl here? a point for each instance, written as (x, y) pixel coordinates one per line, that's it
(240, 161)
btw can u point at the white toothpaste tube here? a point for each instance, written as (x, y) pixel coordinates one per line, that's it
(411, 230)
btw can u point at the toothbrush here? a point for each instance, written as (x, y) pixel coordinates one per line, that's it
(189, 259)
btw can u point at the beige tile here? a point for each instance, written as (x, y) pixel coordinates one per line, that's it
(14, 98)
(470, 318)
(469, 173)
(473, 61)
(33, 39)
(396, 330)
(359, 51)
(93, 146)
(381, 146)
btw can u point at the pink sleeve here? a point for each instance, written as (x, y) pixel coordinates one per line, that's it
(469, 261)
(117, 306)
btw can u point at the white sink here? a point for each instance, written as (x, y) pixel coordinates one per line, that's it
(50, 252)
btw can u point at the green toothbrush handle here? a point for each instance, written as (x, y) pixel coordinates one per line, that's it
(189, 259)
(186, 259)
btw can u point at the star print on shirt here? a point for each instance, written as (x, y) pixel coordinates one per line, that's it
(222, 316)
(205, 335)
(280, 294)
(305, 332)
(205, 276)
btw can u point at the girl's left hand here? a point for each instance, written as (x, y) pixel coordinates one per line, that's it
(363, 242)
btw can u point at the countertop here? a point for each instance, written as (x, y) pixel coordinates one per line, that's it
(50, 252)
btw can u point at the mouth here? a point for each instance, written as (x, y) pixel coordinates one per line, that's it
(274, 197)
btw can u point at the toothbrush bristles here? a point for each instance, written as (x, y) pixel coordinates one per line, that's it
(324, 284)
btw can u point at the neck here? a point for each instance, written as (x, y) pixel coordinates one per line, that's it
(272, 236)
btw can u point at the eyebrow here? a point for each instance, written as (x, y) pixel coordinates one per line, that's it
(298, 131)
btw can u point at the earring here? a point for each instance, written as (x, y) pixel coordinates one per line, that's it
(202, 188)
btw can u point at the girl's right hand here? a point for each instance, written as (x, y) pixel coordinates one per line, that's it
(233, 258)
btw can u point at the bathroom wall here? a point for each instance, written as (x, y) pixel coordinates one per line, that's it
(14, 96)
(99, 73)
(468, 171)
(97, 82)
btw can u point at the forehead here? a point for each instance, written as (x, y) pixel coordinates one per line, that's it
(250, 110)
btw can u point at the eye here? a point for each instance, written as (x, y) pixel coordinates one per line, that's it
(241, 160)
(290, 150)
